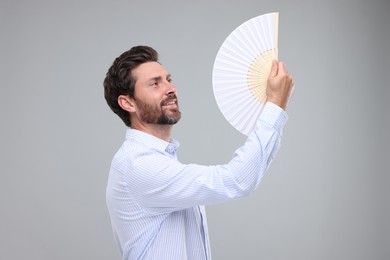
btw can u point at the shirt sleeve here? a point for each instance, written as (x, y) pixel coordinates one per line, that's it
(160, 183)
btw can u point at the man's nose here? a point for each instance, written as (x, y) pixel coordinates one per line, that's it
(170, 88)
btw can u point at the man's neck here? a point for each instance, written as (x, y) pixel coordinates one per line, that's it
(160, 131)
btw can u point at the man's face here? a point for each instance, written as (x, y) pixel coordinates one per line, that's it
(154, 95)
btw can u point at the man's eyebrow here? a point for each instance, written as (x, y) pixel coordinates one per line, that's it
(160, 77)
(157, 78)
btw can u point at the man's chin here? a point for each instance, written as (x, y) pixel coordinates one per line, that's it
(173, 120)
(170, 120)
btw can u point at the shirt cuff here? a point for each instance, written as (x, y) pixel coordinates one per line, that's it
(273, 115)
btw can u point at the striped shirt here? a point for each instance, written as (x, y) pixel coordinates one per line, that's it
(156, 203)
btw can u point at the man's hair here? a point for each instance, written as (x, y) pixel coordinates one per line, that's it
(120, 81)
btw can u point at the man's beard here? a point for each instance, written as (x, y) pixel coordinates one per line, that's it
(154, 114)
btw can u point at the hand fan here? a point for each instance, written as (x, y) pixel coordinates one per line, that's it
(241, 70)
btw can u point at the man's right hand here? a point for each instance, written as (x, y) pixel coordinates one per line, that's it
(279, 85)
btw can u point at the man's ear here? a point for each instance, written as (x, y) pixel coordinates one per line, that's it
(126, 103)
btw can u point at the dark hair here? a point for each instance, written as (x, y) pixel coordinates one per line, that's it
(119, 79)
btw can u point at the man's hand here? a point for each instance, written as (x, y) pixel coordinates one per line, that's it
(279, 85)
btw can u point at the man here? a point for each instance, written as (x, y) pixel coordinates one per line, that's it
(154, 201)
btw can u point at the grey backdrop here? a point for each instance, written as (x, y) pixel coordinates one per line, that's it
(326, 194)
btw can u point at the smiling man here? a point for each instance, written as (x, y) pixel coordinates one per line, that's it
(154, 103)
(156, 204)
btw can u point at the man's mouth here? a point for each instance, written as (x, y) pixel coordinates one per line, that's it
(170, 103)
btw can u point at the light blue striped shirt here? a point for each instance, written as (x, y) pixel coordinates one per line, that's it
(156, 203)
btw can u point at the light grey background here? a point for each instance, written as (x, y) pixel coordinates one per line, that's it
(325, 196)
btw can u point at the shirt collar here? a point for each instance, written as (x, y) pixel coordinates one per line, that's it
(152, 141)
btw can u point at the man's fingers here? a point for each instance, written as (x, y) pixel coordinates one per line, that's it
(282, 71)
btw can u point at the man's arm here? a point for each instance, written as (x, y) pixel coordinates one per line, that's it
(162, 184)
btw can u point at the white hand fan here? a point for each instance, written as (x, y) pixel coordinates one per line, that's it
(241, 69)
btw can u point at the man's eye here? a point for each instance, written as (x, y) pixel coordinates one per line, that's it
(169, 80)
